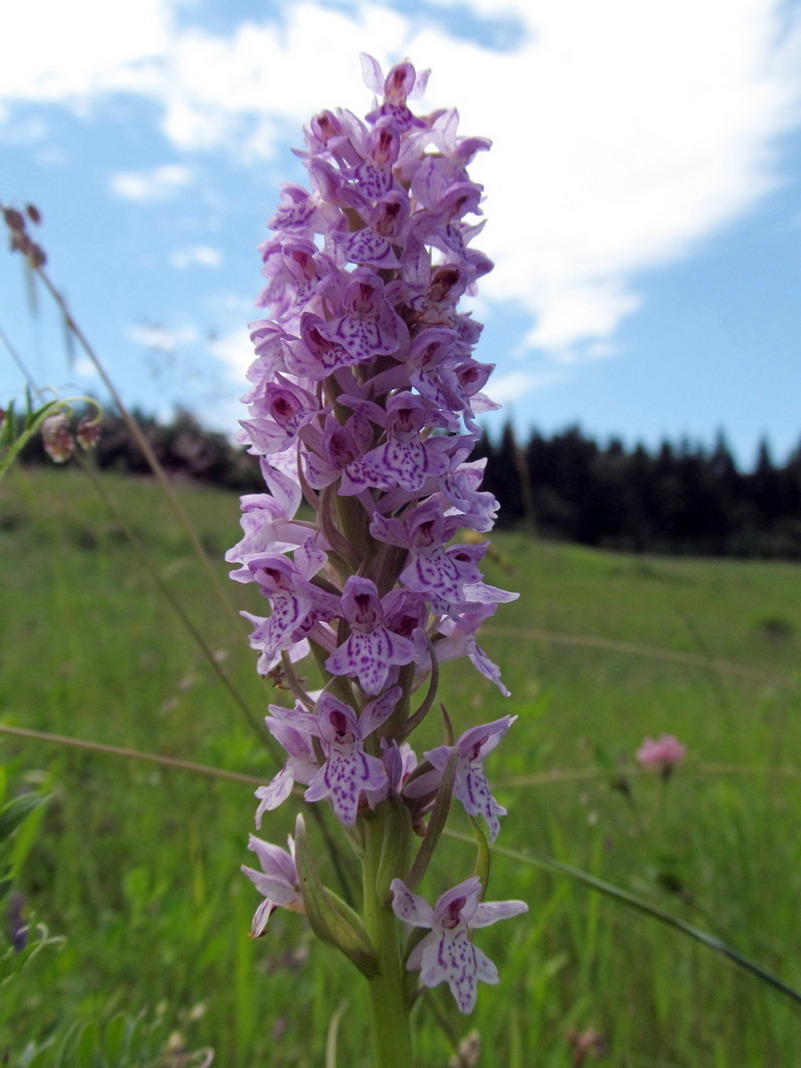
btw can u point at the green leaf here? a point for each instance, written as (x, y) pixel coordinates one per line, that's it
(482, 868)
(88, 1047)
(8, 425)
(331, 919)
(115, 1044)
(65, 1056)
(32, 423)
(396, 845)
(623, 897)
(436, 823)
(18, 810)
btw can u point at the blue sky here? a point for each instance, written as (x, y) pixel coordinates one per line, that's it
(643, 194)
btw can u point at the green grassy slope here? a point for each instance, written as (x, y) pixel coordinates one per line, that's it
(137, 865)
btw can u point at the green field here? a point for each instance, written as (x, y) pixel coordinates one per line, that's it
(136, 865)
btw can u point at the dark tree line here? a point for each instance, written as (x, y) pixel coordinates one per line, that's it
(678, 499)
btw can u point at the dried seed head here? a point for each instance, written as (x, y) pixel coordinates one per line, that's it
(88, 432)
(14, 220)
(57, 438)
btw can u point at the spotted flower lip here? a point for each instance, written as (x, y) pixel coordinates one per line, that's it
(372, 648)
(446, 953)
(348, 771)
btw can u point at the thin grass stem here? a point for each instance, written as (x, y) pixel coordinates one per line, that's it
(623, 897)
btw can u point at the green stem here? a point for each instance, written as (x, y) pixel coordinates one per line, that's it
(392, 1037)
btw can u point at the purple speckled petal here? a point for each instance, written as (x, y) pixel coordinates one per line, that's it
(374, 713)
(450, 957)
(370, 248)
(274, 793)
(433, 573)
(473, 791)
(368, 657)
(343, 778)
(410, 907)
(359, 337)
(491, 911)
(374, 182)
(446, 953)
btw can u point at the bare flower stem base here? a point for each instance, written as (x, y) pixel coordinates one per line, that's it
(392, 1037)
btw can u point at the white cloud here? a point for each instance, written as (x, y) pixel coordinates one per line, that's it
(506, 388)
(84, 367)
(163, 339)
(196, 255)
(161, 183)
(625, 133)
(70, 52)
(235, 352)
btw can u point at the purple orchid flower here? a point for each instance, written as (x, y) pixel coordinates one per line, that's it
(471, 786)
(446, 953)
(294, 729)
(297, 604)
(348, 771)
(372, 649)
(277, 881)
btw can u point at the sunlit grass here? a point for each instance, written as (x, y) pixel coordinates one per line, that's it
(138, 866)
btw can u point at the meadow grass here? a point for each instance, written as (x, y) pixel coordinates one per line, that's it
(137, 865)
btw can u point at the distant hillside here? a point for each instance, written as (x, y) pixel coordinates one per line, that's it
(677, 499)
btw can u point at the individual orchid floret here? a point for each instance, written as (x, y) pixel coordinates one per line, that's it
(268, 522)
(277, 881)
(471, 786)
(406, 459)
(296, 602)
(442, 372)
(371, 649)
(316, 355)
(301, 212)
(369, 324)
(348, 771)
(373, 245)
(342, 455)
(373, 176)
(460, 640)
(460, 488)
(449, 577)
(293, 728)
(281, 411)
(446, 953)
(329, 135)
(399, 762)
(402, 83)
(298, 274)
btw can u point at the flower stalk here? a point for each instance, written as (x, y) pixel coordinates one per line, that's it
(389, 996)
